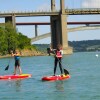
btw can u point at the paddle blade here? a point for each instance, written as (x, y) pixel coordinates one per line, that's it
(7, 67)
(66, 72)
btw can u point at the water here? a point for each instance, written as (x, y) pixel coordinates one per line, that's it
(84, 83)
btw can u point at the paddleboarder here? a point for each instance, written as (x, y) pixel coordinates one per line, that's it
(17, 62)
(58, 58)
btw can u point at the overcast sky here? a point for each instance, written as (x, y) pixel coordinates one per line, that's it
(39, 5)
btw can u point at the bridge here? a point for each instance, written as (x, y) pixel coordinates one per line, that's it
(83, 11)
(89, 26)
(59, 30)
(46, 35)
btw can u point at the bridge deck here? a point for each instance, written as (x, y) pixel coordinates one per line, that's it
(49, 13)
(82, 11)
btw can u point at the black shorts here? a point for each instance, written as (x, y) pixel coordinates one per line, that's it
(17, 63)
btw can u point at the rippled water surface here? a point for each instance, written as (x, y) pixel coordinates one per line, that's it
(84, 83)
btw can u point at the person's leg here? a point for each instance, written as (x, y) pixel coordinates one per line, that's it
(20, 70)
(15, 70)
(55, 65)
(60, 66)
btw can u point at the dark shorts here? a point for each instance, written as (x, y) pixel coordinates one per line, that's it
(17, 63)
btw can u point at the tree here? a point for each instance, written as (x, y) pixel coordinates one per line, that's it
(11, 37)
(24, 41)
(3, 42)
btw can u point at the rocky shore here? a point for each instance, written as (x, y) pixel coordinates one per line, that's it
(26, 53)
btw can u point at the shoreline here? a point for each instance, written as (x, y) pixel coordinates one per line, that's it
(26, 54)
(9, 56)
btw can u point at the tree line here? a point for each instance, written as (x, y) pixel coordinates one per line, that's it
(78, 46)
(85, 45)
(11, 39)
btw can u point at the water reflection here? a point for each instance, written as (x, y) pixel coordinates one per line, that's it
(59, 85)
(16, 84)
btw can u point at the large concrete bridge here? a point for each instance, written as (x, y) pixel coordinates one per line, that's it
(58, 23)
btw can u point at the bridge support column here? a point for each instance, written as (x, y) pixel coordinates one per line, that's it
(64, 35)
(36, 31)
(52, 5)
(59, 34)
(11, 19)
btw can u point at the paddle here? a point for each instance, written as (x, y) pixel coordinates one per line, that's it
(7, 66)
(66, 72)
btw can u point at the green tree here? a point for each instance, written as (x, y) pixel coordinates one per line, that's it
(24, 41)
(3, 42)
(11, 37)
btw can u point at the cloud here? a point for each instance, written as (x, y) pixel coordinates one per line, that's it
(91, 4)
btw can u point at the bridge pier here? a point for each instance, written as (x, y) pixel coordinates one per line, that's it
(36, 30)
(11, 19)
(59, 29)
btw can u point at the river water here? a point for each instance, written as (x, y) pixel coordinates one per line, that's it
(84, 83)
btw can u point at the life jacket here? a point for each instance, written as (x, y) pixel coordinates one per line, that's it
(17, 57)
(58, 54)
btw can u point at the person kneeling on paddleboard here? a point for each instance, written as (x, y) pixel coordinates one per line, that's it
(17, 62)
(58, 59)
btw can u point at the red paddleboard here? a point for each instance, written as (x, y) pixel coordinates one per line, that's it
(22, 76)
(56, 77)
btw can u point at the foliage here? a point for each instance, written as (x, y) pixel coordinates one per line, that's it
(10, 39)
(86, 45)
(24, 41)
(42, 47)
(78, 46)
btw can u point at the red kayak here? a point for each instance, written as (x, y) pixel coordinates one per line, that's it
(54, 78)
(22, 76)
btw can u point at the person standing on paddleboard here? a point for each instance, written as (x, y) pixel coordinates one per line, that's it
(17, 62)
(58, 59)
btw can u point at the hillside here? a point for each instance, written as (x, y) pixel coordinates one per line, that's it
(87, 45)
(78, 46)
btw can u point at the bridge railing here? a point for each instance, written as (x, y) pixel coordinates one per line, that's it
(82, 11)
(50, 13)
(28, 13)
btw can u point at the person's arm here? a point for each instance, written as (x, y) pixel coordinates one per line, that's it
(54, 51)
(12, 54)
(61, 52)
(15, 54)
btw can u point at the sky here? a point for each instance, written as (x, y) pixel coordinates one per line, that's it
(45, 5)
